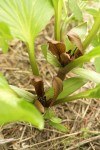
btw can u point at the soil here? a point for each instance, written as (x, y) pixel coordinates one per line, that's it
(81, 117)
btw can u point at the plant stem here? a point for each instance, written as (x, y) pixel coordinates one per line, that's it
(58, 13)
(93, 31)
(57, 27)
(33, 59)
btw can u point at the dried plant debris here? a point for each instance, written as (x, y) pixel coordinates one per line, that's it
(59, 49)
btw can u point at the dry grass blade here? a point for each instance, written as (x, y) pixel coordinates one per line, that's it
(84, 142)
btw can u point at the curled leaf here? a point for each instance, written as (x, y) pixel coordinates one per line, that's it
(57, 48)
(75, 39)
(39, 87)
(58, 87)
(65, 58)
(39, 106)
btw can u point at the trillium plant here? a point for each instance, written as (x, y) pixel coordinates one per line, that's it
(67, 51)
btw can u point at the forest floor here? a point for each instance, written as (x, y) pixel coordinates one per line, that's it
(81, 117)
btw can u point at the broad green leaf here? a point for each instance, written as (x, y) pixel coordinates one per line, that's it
(4, 45)
(75, 9)
(26, 18)
(97, 64)
(83, 59)
(80, 30)
(15, 108)
(69, 86)
(3, 82)
(88, 74)
(58, 126)
(5, 31)
(92, 93)
(5, 36)
(25, 94)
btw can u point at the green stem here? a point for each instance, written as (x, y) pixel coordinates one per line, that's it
(58, 13)
(93, 31)
(57, 27)
(33, 59)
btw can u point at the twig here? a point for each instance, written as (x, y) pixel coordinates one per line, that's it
(53, 139)
(84, 142)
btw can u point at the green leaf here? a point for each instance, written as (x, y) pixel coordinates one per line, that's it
(26, 19)
(4, 45)
(53, 60)
(5, 31)
(96, 40)
(49, 56)
(83, 59)
(49, 114)
(44, 48)
(88, 74)
(56, 120)
(69, 86)
(75, 9)
(15, 108)
(80, 30)
(25, 94)
(5, 36)
(92, 11)
(3, 82)
(97, 64)
(92, 93)
(69, 45)
(58, 126)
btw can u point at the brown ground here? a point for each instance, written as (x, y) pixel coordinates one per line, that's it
(82, 117)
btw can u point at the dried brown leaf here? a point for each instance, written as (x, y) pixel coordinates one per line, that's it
(58, 87)
(57, 48)
(39, 106)
(39, 87)
(75, 39)
(65, 58)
